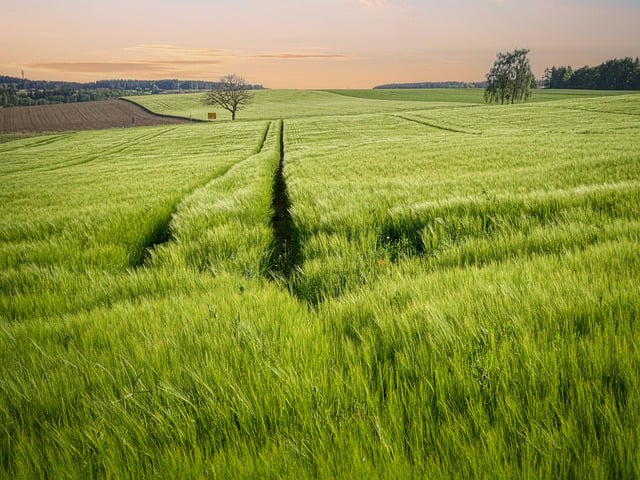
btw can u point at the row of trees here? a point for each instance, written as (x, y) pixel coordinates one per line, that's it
(511, 79)
(617, 74)
(24, 92)
(450, 84)
(231, 92)
(10, 96)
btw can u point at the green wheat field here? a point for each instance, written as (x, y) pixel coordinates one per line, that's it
(455, 293)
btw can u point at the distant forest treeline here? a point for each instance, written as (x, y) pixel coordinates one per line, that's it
(433, 85)
(617, 74)
(23, 92)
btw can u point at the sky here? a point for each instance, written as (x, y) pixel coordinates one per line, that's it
(307, 43)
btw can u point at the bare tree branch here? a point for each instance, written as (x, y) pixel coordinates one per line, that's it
(231, 93)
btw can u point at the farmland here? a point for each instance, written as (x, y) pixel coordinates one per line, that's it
(464, 95)
(270, 104)
(79, 116)
(455, 291)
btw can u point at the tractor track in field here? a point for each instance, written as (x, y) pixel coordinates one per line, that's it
(38, 143)
(605, 112)
(161, 231)
(116, 149)
(286, 248)
(434, 125)
(285, 251)
(27, 168)
(264, 138)
(121, 147)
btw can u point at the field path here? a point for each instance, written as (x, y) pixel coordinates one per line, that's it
(82, 158)
(80, 116)
(286, 251)
(162, 232)
(429, 123)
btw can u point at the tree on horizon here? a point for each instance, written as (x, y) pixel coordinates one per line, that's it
(510, 78)
(231, 93)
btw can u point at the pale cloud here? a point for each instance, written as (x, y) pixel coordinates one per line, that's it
(372, 3)
(111, 67)
(337, 43)
(147, 60)
(175, 50)
(166, 60)
(302, 56)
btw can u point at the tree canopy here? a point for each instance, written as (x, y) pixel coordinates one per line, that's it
(616, 74)
(231, 93)
(510, 78)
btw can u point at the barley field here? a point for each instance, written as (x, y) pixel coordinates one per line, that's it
(337, 285)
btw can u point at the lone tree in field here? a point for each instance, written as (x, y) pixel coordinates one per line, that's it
(510, 78)
(231, 93)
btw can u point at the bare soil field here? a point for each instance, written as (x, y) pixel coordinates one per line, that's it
(79, 116)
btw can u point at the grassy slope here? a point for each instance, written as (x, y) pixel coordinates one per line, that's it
(273, 104)
(10, 137)
(464, 95)
(77, 205)
(474, 269)
(424, 160)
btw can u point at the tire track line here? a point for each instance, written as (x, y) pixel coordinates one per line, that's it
(121, 147)
(162, 233)
(286, 249)
(38, 143)
(433, 125)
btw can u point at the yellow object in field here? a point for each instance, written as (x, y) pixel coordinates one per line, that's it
(212, 115)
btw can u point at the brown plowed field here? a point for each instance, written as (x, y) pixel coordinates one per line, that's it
(79, 116)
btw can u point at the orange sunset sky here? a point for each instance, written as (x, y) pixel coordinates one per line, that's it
(305, 43)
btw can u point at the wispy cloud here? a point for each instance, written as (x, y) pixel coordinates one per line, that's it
(372, 3)
(301, 56)
(117, 67)
(143, 59)
(174, 50)
(159, 60)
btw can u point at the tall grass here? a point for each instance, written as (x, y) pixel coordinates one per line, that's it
(64, 228)
(466, 95)
(276, 104)
(225, 225)
(378, 187)
(465, 300)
